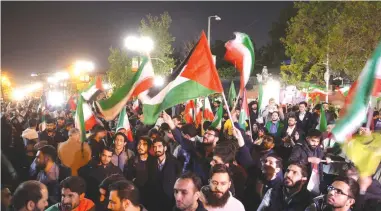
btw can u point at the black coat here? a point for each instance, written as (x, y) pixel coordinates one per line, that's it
(161, 183)
(307, 122)
(52, 140)
(299, 201)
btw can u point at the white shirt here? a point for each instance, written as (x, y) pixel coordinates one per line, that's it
(301, 116)
(232, 204)
(290, 130)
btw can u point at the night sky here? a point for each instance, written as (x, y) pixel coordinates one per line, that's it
(48, 36)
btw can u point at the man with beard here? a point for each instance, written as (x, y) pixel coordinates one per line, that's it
(121, 153)
(292, 195)
(140, 167)
(124, 196)
(290, 136)
(104, 191)
(49, 172)
(96, 141)
(95, 172)
(187, 193)
(200, 153)
(341, 196)
(61, 124)
(50, 134)
(217, 196)
(275, 127)
(163, 177)
(73, 196)
(309, 152)
(30, 196)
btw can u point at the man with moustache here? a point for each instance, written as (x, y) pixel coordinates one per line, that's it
(30, 196)
(140, 167)
(187, 193)
(341, 196)
(216, 196)
(201, 154)
(124, 196)
(73, 196)
(50, 134)
(292, 195)
(163, 177)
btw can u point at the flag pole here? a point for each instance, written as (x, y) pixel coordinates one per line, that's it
(226, 103)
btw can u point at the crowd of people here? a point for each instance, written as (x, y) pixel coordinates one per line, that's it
(281, 162)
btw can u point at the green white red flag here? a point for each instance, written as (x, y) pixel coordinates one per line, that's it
(217, 121)
(84, 117)
(197, 76)
(368, 84)
(240, 52)
(244, 113)
(189, 113)
(124, 123)
(142, 81)
(93, 90)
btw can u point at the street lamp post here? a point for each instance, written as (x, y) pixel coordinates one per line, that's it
(217, 18)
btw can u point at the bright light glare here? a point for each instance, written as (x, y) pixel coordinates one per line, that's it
(18, 94)
(55, 98)
(142, 44)
(52, 80)
(158, 81)
(83, 66)
(106, 86)
(62, 75)
(35, 86)
(33, 75)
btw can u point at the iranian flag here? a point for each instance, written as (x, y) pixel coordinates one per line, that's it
(123, 123)
(368, 84)
(142, 81)
(189, 112)
(244, 113)
(196, 76)
(135, 105)
(84, 117)
(240, 52)
(217, 121)
(208, 113)
(94, 89)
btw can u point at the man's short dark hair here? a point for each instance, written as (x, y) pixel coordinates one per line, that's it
(25, 192)
(50, 120)
(69, 123)
(216, 131)
(146, 139)
(279, 160)
(354, 187)
(107, 148)
(111, 179)
(32, 123)
(61, 118)
(121, 134)
(226, 152)
(219, 168)
(189, 129)
(195, 179)
(302, 167)
(126, 190)
(292, 117)
(75, 184)
(50, 151)
(164, 127)
(161, 140)
(303, 102)
(177, 117)
(153, 131)
(314, 133)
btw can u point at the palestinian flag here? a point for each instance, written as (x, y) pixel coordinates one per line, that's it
(189, 113)
(84, 117)
(367, 85)
(244, 113)
(240, 52)
(142, 81)
(323, 120)
(196, 76)
(123, 123)
(232, 95)
(217, 121)
(94, 89)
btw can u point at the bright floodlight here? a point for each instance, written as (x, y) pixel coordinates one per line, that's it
(55, 98)
(106, 86)
(52, 80)
(132, 43)
(62, 75)
(33, 74)
(18, 94)
(146, 44)
(218, 18)
(35, 86)
(158, 81)
(83, 66)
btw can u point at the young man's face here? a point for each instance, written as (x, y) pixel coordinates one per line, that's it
(339, 195)
(220, 184)
(159, 149)
(119, 142)
(275, 116)
(106, 157)
(291, 122)
(313, 142)
(293, 176)
(302, 108)
(142, 147)
(209, 137)
(43, 202)
(185, 193)
(69, 199)
(115, 203)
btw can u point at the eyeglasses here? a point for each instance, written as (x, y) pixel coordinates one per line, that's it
(337, 191)
(209, 134)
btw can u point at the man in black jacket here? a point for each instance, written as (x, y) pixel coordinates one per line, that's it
(292, 195)
(96, 171)
(51, 134)
(304, 118)
(187, 193)
(163, 177)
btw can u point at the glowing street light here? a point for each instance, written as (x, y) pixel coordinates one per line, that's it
(62, 75)
(18, 94)
(141, 44)
(83, 66)
(158, 81)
